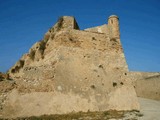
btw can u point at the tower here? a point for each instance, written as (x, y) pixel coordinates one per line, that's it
(113, 26)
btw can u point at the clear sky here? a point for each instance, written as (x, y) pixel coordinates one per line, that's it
(23, 22)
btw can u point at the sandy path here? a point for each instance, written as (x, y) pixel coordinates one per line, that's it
(150, 109)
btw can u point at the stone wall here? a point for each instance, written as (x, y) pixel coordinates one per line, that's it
(71, 70)
(111, 29)
(147, 85)
(99, 29)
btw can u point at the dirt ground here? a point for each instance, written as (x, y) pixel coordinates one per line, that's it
(150, 109)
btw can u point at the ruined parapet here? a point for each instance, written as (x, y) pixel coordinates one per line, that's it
(36, 52)
(63, 33)
(68, 22)
(113, 27)
(99, 29)
(65, 22)
(16, 68)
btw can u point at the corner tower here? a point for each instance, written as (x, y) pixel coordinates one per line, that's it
(113, 25)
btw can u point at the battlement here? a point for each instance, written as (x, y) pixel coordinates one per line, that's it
(111, 29)
(66, 22)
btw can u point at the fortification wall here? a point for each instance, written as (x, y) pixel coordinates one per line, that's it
(71, 70)
(99, 29)
(147, 85)
(91, 48)
(111, 29)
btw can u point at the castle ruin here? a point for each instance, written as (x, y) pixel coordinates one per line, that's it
(72, 70)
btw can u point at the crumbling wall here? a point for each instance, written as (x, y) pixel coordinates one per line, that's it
(36, 52)
(75, 71)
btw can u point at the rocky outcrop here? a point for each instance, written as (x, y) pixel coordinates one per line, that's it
(71, 70)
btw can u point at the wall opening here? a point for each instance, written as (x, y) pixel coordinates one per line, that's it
(111, 21)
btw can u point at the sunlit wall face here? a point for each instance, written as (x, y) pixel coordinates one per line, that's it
(22, 23)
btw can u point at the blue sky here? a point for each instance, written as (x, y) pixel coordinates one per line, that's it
(23, 22)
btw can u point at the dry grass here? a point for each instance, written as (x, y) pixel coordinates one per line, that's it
(79, 116)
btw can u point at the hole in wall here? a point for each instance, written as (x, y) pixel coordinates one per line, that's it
(100, 66)
(93, 38)
(114, 84)
(112, 21)
(121, 83)
(93, 86)
(70, 39)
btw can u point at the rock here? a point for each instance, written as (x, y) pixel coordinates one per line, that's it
(4, 76)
